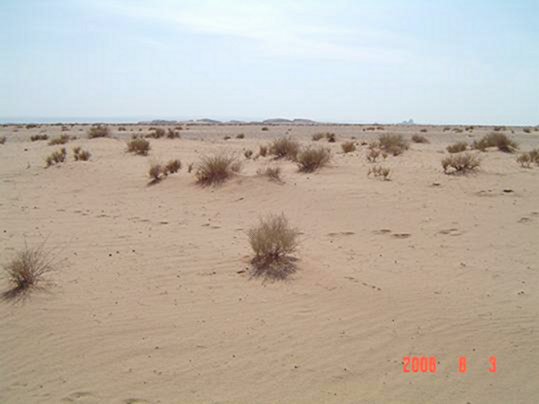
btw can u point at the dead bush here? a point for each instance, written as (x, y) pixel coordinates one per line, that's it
(248, 153)
(138, 146)
(56, 157)
(457, 147)
(156, 172)
(379, 171)
(35, 138)
(348, 147)
(273, 240)
(312, 159)
(265, 128)
(525, 160)
(273, 173)
(420, 139)
(190, 168)
(460, 163)
(240, 136)
(98, 131)
(173, 166)
(172, 134)
(498, 140)
(2, 139)
(284, 148)
(331, 137)
(62, 139)
(393, 144)
(156, 133)
(263, 151)
(317, 136)
(216, 169)
(82, 155)
(227, 138)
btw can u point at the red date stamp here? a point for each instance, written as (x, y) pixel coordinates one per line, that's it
(429, 364)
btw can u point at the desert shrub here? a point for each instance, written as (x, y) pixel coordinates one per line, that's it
(265, 128)
(284, 148)
(31, 126)
(227, 138)
(156, 172)
(156, 133)
(457, 147)
(27, 269)
(379, 171)
(173, 166)
(525, 160)
(216, 169)
(62, 139)
(423, 131)
(178, 128)
(2, 139)
(35, 138)
(190, 168)
(458, 130)
(312, 159)
(121, 129)
(527, 130)
(469, 128)
(82, 155)
(98, 131)
(447, 128)
(138, 146)
(374, 152)
(272, 241)
(64, 128)
(419, 139)
(331, 137)
(499, 128)
(248, 154)
(263, 151)
(56, 157)
(348, 147)
(534, 154)
(273, 173)
(172, 134)
(240, 136)
(317, 136)
(460, 163)
(393, 144)
(499, 140)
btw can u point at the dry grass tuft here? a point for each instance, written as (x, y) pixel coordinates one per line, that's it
(156, 133)
(273, 240)
(312, 159)
(216, 169)
(156, 172)
(460, 163)
(420, 138)
(190, 168)
(317, 136)
(248, 153)
(273, 173)
(138, 146)
(528, 158)
(498, 140)
(173, 134)
(457, 147)
(173, 166)
(263, 151)
(379, 171)
(56, 157)
(284, 148)
(35, 138)
(393, 144)
(82, 155)
(26, 270)
(240, 136)
(348, 147)
(62, 139)
(98, 131)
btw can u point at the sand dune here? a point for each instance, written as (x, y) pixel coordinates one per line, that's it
(153, 300)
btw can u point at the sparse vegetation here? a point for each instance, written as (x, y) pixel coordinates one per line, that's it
(31, 126)
(457, 147)
(56, 157)
(348, 147)
(156, 133)
(190, 168)
(392, 144)
(82, 155)
(499, 140)
(423, 131)
(379, 171)
(284, 148)
(27, 269)
(265, 128)
(216, 169)
(317, 136)
(138, 146)
(35, 138)
(98, 131)
(173, 166)
(460, 163)
(528, 158)
(227, 137)
(458, 130)
(263, 151)
(62, 139)
(172, 134)
(527, 130)
(312, 159)
(374, 152)
(331, 137)
(240, 136)
(248, 153)
(156, 172)
(273, 173)
(419, 139)
(273, 240)
(2, 139)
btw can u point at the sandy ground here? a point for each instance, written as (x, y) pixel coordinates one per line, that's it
(151, 302)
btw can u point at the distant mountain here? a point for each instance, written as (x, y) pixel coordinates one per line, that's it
(157, 122)
(282, 121)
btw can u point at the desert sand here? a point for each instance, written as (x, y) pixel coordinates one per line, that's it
(153, 300)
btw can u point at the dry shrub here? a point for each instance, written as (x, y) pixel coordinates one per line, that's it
(534, 154)
(173, 166)
(273, 240)
(273, 173)
(56, 157)
(379, 171)
(240, 136)
(317, 136)
(460, 163)
(172, 134)
(62, 139)
(35, 138)
(121, 129)
(248, 154)
(527, 130)
(156, 133)
(420, 138)
(156, 172)
(348, 147)
(499, 128)
(331, 137)
(284, 148)
(27, 269)
(447, 128)
(98, 131)
(190, 168)
(31, 126)
(265, 128)
(312, 159)
(216, 169)
(227, 137)
(263, 151)
(393, 144)
(469, 128)
(138, 146)
(499, 140)
(2, 139)
(423, 131)
(457, 147)
(82, 155)
(526, 159)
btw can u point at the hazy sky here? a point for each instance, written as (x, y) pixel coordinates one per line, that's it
(357, 61)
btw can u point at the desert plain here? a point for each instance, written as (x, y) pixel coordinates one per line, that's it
(153, 298)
